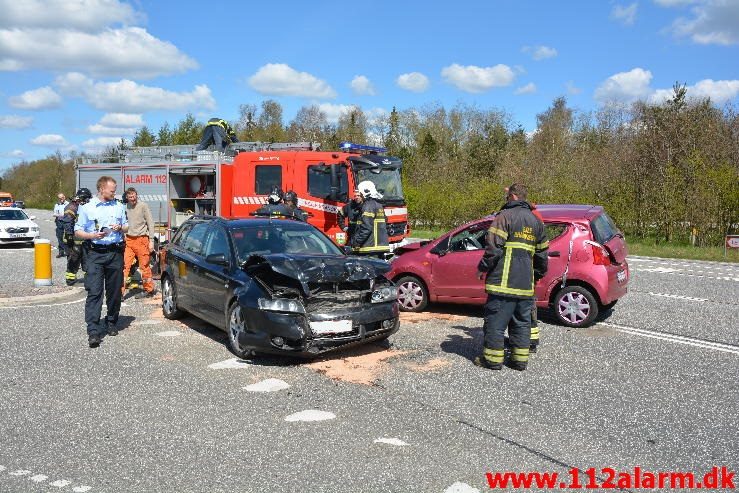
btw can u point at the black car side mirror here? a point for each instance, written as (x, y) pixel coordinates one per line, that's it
(217, 259)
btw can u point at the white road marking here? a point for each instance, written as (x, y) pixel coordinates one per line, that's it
(81, 489)
(310, 415)
(391, 441)
(39, 478)
(2, 468)
(459, 487)
(662, 270)
(38, 306)
(268, 385)
(229, 364)
(689, 341)
(20, 472)
(170, 333)
(147, 322)
(677, 296)
(61, 483)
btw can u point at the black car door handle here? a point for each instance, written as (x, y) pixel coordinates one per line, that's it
(553, 254)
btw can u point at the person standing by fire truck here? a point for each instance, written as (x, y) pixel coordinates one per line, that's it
(370, 236)
(349, 215)
(139, 242)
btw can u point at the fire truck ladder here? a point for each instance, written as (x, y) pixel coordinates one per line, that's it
(238, 147)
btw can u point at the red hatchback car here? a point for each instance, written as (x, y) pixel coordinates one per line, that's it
(587, 265)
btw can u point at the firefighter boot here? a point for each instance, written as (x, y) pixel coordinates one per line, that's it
(70, 278)
(534, 345)
(492, 359)
(519, 358)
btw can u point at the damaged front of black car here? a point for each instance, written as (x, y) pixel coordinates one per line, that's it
(309, 304)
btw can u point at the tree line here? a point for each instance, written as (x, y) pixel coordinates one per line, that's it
(664, 171)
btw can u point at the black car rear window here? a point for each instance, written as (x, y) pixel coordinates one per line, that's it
(281, 236)
(603, 228)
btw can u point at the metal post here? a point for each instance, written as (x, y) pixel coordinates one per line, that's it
(42, 262)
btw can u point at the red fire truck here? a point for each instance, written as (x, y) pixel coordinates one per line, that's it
(179, 181)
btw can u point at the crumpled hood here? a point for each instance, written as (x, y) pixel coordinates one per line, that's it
(320, 268)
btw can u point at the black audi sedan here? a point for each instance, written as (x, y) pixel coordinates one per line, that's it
(276, 286)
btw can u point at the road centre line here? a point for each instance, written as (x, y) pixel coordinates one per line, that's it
(41, 306)
(678, 297)
(664, 336)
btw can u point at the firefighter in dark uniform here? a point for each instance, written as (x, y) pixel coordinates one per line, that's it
(275, 206)
(349, 216)
(217, 132)
(75, 255)
(515, 253)
(291, 202)
(370, 236)
(535, 339)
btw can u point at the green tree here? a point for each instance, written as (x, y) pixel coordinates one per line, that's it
(187, 131)
(143, 137)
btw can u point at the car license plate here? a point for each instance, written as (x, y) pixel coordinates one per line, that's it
(331, 327)
(621, 276)
(17, 235)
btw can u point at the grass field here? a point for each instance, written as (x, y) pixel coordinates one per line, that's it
(647, 248)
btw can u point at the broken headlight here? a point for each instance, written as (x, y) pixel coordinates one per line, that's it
(281, 305)
(385, 293)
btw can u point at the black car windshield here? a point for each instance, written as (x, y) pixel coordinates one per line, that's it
(12, 215)
(281, 236)
(387, 182)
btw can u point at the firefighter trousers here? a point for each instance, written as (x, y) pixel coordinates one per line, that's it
(138, 247)
(75, 259)
(514, 314)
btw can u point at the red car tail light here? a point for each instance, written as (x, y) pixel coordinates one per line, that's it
(600, 254)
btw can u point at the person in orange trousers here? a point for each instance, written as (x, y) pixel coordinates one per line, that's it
(139, 242)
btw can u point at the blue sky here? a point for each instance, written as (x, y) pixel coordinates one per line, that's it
(81, 74)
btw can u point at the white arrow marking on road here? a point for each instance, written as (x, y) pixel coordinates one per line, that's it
(461, 488)
(677, 296)
(268, 385)
(147, 322)
(61, 483)
(81, 489)
(229, 364)
(391, 441)
(20, 472)
(310, 415)
(39, 478)
(689, 341)
(169, 333)
(2, 468)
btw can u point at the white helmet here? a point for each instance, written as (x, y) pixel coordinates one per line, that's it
(367, 189)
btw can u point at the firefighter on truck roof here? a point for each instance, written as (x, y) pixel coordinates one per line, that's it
(370, 235)
(217, 132)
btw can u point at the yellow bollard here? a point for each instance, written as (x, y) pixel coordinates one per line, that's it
(42, 262)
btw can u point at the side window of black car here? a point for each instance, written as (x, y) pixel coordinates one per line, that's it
(181, 234)
(217, 243)
(195, 239)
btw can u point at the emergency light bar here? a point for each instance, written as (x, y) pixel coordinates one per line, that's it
(351, 146)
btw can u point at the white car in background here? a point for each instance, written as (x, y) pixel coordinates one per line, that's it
(17, 227)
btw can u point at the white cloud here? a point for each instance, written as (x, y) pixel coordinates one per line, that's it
(413, 81)
(362, 86)
(43, 98)
(478, 79)
(625, 87)
(129, 51)
(529, 88)
(334, 111)
(720, 91)
(571, 88)
(624, 15)
(126, 96)
(49, 140)
(122, 120)
(674, 3)
(103, 130)
(17, 153)
(711, 22)
(540, 52)
(15, 121)
(279, 79)
(101, 143)
(84, 15)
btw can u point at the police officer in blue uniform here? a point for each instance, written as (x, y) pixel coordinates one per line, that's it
(102, 224)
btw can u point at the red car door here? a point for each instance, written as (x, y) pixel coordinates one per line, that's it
(558, 235)
(454, 272)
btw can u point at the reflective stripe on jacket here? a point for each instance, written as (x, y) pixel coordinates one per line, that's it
(370, 234)
(516, 246)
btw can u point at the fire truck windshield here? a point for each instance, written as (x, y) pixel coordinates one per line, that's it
(387, 181)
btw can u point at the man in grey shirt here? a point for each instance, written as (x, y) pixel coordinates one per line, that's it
(139, 242)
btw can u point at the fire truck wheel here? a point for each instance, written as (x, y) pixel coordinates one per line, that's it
(169, 300)
(412, 294)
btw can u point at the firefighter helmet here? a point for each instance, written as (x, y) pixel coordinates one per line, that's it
(83, 195)
(291, 196)
(275, 196)
(367, 189)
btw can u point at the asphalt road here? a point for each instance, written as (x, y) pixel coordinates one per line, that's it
(164, 407)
